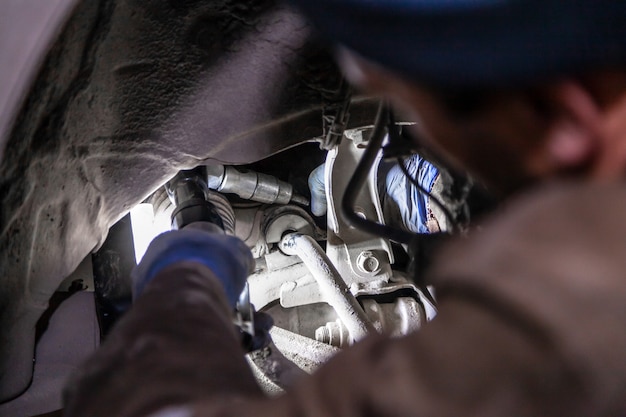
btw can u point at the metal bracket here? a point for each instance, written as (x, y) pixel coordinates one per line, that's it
(361, 258)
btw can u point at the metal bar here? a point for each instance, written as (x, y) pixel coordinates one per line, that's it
(332, 286)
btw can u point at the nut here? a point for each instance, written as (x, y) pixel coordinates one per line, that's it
(368, 263)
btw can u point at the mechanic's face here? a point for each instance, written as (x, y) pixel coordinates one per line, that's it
(510, 139)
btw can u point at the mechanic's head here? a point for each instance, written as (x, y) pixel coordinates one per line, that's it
(513, 90)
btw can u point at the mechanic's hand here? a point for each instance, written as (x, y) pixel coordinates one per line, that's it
(227, 256)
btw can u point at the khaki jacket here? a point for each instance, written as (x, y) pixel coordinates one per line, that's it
(532, 322)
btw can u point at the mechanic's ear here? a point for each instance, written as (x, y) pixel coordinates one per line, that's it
(573, 135)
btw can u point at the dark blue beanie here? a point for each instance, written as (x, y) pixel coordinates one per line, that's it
(473, 43)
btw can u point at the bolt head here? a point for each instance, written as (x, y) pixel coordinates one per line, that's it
(368, 263)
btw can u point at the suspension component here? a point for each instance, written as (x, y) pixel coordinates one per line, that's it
(332, 286)
(251, 185)
(194, 202)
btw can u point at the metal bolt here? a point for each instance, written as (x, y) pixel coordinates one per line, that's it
(322, 334)
(367, 262)
(333, 333)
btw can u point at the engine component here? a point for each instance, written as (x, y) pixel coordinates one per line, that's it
(251, 185)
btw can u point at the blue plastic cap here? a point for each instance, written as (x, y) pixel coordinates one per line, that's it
(473, 43)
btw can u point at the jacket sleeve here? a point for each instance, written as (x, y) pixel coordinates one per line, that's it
(509, 340)
(175, 346)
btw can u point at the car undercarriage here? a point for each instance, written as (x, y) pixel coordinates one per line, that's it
(118, 96)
